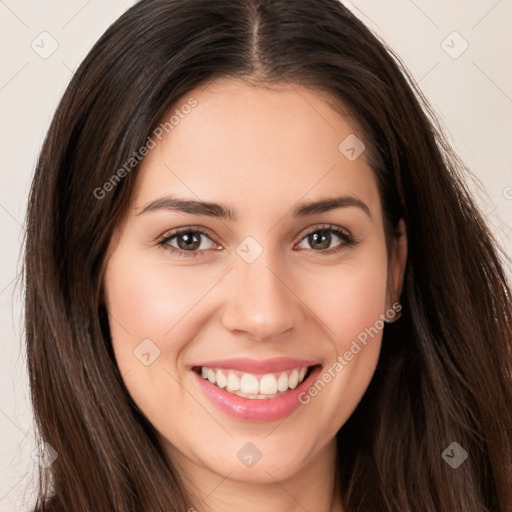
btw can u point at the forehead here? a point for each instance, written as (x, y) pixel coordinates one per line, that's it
(259, 148)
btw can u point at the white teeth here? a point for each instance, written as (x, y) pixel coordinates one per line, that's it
(233, 382)
(293, 380)
(221, 379)
(248, 385)
(268, 385)
(282, 382)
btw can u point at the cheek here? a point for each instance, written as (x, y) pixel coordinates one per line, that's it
(137, 305)
(349, 298)
(148, 303)
(361, 300)
(148, 299)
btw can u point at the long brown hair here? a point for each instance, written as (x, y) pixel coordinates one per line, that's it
(445, 371)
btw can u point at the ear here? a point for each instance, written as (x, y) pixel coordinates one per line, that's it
(396, 266)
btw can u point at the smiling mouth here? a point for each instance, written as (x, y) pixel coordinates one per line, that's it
(255, 386)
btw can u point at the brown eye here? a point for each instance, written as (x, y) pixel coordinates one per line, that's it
(326, 239)
(189, 241)
(320, 239)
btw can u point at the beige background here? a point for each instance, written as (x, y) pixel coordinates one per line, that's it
(472, 94)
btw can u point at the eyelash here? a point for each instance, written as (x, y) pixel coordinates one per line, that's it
(348, 240)
(168, 237)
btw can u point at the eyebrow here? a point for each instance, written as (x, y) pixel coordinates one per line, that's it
(218, 210)
(325, 205)
(189, 206)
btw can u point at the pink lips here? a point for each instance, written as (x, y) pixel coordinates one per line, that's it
(268, 409)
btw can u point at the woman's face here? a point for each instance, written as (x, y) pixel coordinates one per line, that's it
(277, 294)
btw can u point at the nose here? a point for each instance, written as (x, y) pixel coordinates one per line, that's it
(262, 304)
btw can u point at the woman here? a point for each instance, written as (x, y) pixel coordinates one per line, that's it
(256, 279)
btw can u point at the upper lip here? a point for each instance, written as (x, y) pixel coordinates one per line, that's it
(258, 366)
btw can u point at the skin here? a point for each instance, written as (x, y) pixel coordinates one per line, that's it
(260, 152)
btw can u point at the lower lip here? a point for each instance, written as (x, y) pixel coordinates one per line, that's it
(266, 409)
